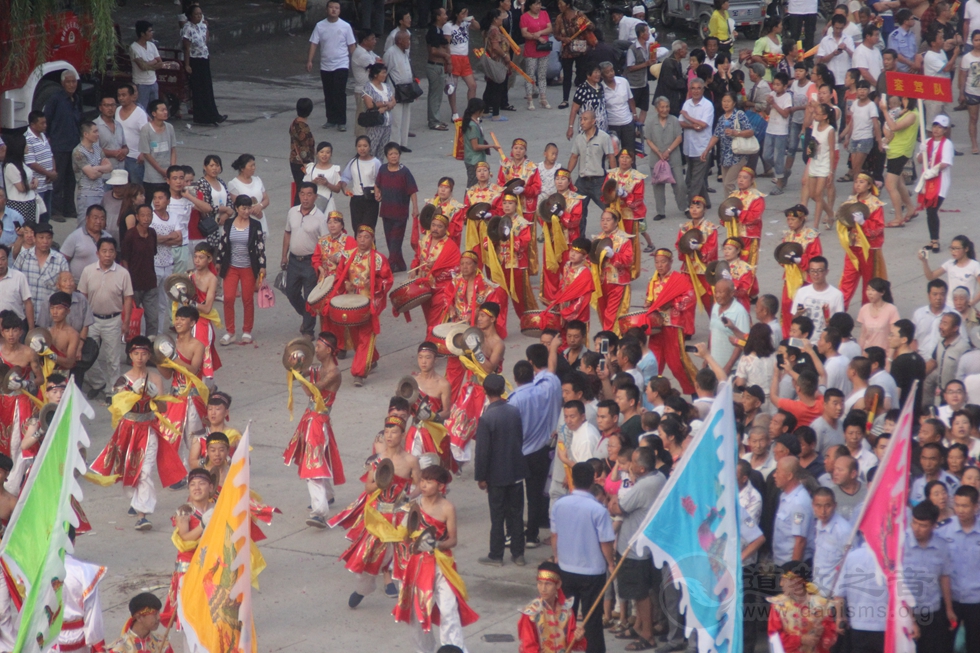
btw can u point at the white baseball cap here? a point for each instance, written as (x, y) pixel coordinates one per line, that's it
(941, 120)
(639, 10)
(118, 178)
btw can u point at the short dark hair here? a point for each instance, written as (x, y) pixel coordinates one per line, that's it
(843, 322)
(861, 366)
(189, 312)
(142, 27)
(830, 393)
(706, 380)
(781, 77)
(537, 354)
(926, 511)
(875, 355)
(906, 329)
(523, 372)
(825, 492)
(869, 30)
(143, 601)
(34, 116)
(304, 107)
(806, 434)
(494, 385)
(808, 382)
(575, 404)
(647, 457)
(937, 283)
(631, 351)
(805, 324)
(838, 19)
(857, 418)
(398, 403)
(306, 185)
(771, 302)
(583, 475)
(833, 337)
(789, 419)
(577, 325)
(608, 404)
(392, 145)
(104, 240)
(152, 107)
(632, 393)
(967, 491)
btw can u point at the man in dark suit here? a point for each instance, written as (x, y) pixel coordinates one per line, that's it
(672, 82)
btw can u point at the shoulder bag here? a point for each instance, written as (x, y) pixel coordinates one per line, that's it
(408, 92)
(744, 146)
(370, 118)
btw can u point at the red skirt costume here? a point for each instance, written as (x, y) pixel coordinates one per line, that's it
(467, 298)
(185, 553)
(793, 620)
(694, 266)
(416, 597)
(570, 223)
(371, 276)
(746, 283)
(476, 230)
(326, 248)
(615, 275)
(123, 455)
(429, 436)
(510, 264)
(367, 552)
(632, 208)
(543, 630)
(204, 333)
(15, 408)
(748, 224)
(793, 279)
(527, 202)
(453, 210)
(673, 298)
(575, 296)
(188, 412)
(862, 246)
(313, 447)
(440, 259)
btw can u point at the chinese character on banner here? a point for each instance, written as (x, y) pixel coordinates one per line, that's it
(922, 87)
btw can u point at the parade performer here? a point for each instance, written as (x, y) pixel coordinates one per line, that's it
(16, 405)
(364, 271)
(184, 421)
(801, 618)
(705, 253)
(205, 281)
(743, 276)
(218, 461)
(216, 422)
(746, 223)
(436, 259)
(33, 434)
(671, 304)
(326, 259)
(470, 290)
(137, 444)
(615, 263)
(482, 192)
(370, 518)
(137, 634)
(189, 523)
(561, 226)
(795, 274)
(628, 201)
(313, 447)
(863, 241)
(81, 628)
(66, 344)
(432, 591)
(446, 204)
(574, 297)
(428, 435)
(518, 166)
(509, 258)
(548, 624)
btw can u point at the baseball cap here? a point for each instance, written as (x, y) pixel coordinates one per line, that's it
(942, 120)
(639, 10)
(791, 443)
(756, 392)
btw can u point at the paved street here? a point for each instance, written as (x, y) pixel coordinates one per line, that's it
(302, 605)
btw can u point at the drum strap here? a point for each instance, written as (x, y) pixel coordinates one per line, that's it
(845, 242)
(597, 280)
(192, 379)
(318, 404)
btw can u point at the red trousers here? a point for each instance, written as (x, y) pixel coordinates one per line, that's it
(336, 329)
(864, 272)
(362, 339)
(436, 308)
(668, 347)
(551, 281)
(786, 313)
(232, 279)
(455, 374)
(609, 306)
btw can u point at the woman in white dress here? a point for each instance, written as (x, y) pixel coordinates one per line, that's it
(326, 176)
(246, 182)
(824, 141)
(756, 366)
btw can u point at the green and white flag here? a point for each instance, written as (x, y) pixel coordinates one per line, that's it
(32, 552)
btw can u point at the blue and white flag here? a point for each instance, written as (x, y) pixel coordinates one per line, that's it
(693, 527)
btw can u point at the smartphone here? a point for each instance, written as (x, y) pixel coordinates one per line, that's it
(933, 412)
(604, 346)
(602, 364)
(725, 321)
(691, 349)
(796, 342)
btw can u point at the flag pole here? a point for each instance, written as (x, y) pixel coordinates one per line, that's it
(166, 635)
(609, 581)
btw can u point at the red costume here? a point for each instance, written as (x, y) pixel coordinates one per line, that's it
(313, 447)
(792, 620)
(570, 224)
(673, 298)
(467, 298)
(510, 263)
(748, 224)
(746, 284)
(185, 553)
(15, 408)
(186, 415)
(453, 210)
(542, 629)
(795, 275)
(429, 436)
(527, 172)
(694, 265)
(327, 248)
(632, 208)
(575, 297)
(476, 230)
(371, 277)
(438, 259)
(204, 333)
(615, 275)
(862, 245)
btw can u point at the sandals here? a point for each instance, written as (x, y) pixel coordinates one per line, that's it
(628, 633)
(897, 222)
(563, 105)
(846, 177)
(934, 246)
(640, 645)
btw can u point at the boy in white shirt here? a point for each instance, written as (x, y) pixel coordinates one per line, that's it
(800, 89)
(547, 170)
(777, 133)
(864, 129)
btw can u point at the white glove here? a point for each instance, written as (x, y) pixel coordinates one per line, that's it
(621, 192)
(556, 210)
(485, 215)
(426, 543)
(608, 251)
(138, 385)
(858, 217)
(424, 413)
(167, 349)
(480, 357)
(37, 345)
(16, 382)
(472, 342)
(175, 293)
(931, 173)
(518, 190)
(797, 260)
(695, 246)
(506, 232)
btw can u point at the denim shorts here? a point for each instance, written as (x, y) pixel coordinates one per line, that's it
(793, 144)
(862, 146)
(972, 100)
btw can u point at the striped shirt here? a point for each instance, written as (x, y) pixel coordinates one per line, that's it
(39, 152)
(239, 247)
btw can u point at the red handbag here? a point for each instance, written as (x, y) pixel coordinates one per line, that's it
(135, 320)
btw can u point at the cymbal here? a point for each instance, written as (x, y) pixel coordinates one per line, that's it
(426, 215)
(476, 211)
(298, 354)
(548, 206)
(786, 252)
(384, 474)
(688, 240)
(408, 388)
(716, 270)
(598, 245)
(729, 203)
(846, 211)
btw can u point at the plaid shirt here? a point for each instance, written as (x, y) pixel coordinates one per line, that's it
(42, 280)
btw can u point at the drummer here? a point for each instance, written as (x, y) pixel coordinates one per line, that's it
(863, 240)
(570, 219)
(629, 201)
(205, 280)
(671, 303)
(743, 276)
(615, 271)
(703, 253)
(796, 274)
(509, 260)
(483, 192)
(436, 259)
(449, 207)
(326, 257)
(364, 271)
(746, 222)
(435, 402)
(182, 368)
(65, 341)
(577, 285)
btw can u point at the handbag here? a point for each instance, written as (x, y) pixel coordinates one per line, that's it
(370, 118)
(280, 282)
(267, 298)
(408, 92)
(495, 71)
(543, 46)
(744, 146)
(135, 320)
(207, 225)
(578, 46)
(661, 173)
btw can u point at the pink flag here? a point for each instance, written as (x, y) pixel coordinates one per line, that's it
(883, 522)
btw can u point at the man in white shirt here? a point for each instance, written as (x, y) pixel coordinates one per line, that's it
(625, 25)
(336, 40)
(697, 119)
(867, 57)
(146, 62)
(812, 300)
(726, 311)
(780, 104)
(880, 376)
(112, 139)
(620, 108)
(936, 63)
(15, 292)
(926, 318)
(131, 117)
(832, 534)
(760, 453)
(362, 57)
(400, 72)
(834, 364)
(835, 51)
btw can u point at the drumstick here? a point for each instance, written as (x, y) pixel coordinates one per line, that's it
(510, 42)
(523, 74)
(493, 137)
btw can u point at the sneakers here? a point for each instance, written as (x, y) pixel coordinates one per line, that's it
(341, 128)
(144, 525)
(532, 544)
(354, 600)
(391, 590)
(227, 339)
(246, 338)
(316, 521)
(518, 560)
(491, 562)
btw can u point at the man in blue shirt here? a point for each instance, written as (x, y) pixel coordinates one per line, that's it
(582, 543)
(538, 399)
(962, 535)
(902, 41)
(866, 611)
(928, 567)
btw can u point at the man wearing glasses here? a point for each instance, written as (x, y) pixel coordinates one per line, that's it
(819, 300)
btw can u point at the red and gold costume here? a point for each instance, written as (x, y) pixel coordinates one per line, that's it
(694, 265)
(527, 172)
(326, 249)
(476, 230)
(313, 447)
(672, 296)
(432, 590)
(204, 332)
(510, 263)
(450, 208)
(185, 553)
(429, 436)
(615, 275)
(632, 208)
(184, 416)
(543, 630)
(862, 245)
(371, 277)
(574, 300)
(570, 226)
(16, 407)
(437, 259)
(130, 642)
(467, 298)
(748, 224)
(795, 274)
(791, 620)
(746, 283)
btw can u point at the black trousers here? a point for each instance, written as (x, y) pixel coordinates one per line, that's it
(538, 466)
(802, 27)
(202, 91)
(335, 95)
(591, 187)
(867, 641)
(626, 135)
(932, 220)
(969, 615)
(363, 210)
(566, 69)
(299, 171)
(300, 280)
(585, 590)
(494, 96)
(63, 196)
(934, 633)
(506, 505)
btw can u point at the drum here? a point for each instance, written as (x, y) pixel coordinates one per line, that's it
(410, 295)
(439, 333)
(534, 322)
(349, 310)
(640, 319)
